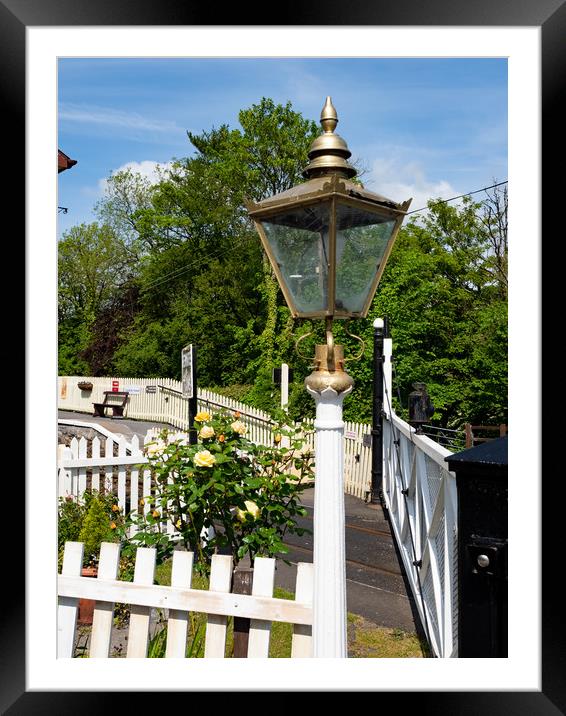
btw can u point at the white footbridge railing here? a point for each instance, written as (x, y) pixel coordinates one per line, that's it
(421, 499)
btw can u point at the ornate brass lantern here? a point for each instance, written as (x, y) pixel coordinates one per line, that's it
(328, 239)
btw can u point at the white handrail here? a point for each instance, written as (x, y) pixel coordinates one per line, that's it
(421, 499)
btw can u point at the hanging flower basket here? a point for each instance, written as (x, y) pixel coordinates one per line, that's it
(85, 385)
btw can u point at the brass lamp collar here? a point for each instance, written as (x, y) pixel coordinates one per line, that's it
(329, 366)
(329, 153)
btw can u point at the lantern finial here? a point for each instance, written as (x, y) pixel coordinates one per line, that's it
(328, 116)
(329, 152)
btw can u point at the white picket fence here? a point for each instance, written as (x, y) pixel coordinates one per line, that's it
(165, 404)
(179, 600)
(159, 400)
(109, 466)
(357, 460)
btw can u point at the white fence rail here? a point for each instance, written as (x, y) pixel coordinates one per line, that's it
(179, 599)
(160, 400)
(421, 498)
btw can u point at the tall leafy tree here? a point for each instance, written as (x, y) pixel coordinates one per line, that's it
(92, 264)
(205, 273)
(448, 318)
(92, 261)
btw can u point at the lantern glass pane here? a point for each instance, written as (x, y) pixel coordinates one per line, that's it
(361, 242)
(298, 239)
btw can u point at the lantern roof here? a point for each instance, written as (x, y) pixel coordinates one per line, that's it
(322, 187)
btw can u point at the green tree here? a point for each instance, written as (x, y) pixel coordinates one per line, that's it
(93, 265)
(448, 318)
(205, 279)
(127, 195)
(92, 262)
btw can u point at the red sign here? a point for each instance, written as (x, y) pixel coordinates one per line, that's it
(115, 386)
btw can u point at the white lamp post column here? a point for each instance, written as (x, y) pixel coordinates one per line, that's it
(328, 389)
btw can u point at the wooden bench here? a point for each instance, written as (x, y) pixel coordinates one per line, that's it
(112, 399)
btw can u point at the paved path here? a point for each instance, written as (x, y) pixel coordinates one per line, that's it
(376, 588)
(120, 426)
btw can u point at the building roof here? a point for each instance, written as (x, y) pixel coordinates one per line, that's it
(64, 162)
(492, 452)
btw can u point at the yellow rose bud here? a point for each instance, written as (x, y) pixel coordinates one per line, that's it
(178, 524)
(115, 508)
(112, 525)
(238, 427)
(142, 502)
(237, 413)
(251, 509)
(277, 438)
(207, 431)
(204, 459)
(221, 438)
(202, 417)
(155, 513)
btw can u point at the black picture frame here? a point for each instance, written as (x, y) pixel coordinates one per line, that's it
(550, 16)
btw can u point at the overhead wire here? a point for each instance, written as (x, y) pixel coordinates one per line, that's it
(183, 269)
(460, 196)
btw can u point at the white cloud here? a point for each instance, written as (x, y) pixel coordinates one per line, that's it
(148, 169)
(114, 118)
(399, 181)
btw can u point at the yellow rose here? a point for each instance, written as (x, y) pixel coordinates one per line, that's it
(115, 508)
(112, 525)
(238, 427)
(204, 458)
(154, 449)
(277, 438)
(251, 508)
(207, 431)
(202, 417)
(178, 524)
(155, 514)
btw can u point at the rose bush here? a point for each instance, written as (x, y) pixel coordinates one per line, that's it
(249, 494)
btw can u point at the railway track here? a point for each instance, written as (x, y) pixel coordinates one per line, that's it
(351, 562)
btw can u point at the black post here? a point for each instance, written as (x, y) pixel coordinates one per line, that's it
(377, 417)
(193, 407)
(481, 480)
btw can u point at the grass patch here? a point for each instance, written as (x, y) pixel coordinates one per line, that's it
(368, 640)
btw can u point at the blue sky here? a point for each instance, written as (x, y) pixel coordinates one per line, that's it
(424, 128)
